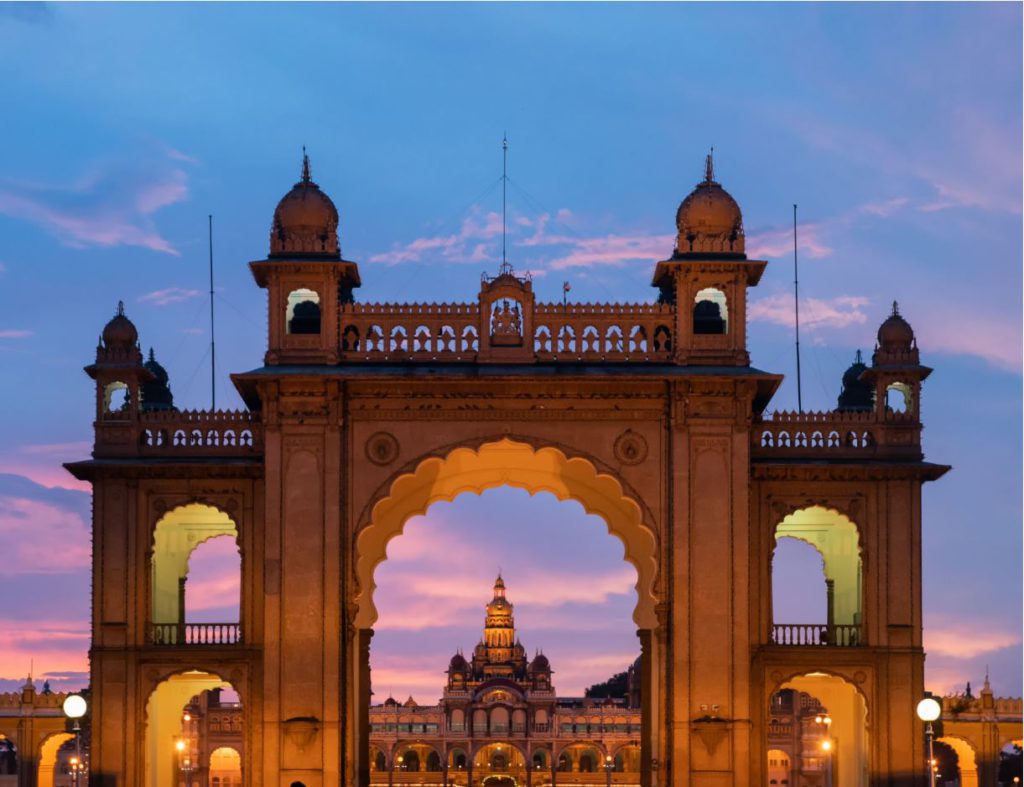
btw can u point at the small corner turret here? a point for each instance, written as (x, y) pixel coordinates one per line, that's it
(305, 276)
(707, 276)
(120, 375)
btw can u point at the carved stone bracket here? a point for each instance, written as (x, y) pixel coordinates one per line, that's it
(711, 731)
(301, 731)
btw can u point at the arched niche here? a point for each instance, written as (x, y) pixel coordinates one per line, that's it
(507, 462)
(175, 537)
(837, 539)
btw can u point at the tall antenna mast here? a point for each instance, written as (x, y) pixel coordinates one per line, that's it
(213, 346)
(796, 305)
(504, 202)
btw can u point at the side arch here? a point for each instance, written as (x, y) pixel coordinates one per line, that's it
(967, 758)
(48, 756)
(507, 462)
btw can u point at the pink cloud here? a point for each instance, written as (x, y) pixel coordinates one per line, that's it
(108, 207)
(14, 333)
(614, 250)
(30, 529)
(987, 336)
(169, 295)
(51, 645)
(838, 312)
(774, 243)
(458, 247)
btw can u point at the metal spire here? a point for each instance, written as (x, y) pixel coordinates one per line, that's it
(504, 201)
(306, 177)
(796, 309)
(709, 167)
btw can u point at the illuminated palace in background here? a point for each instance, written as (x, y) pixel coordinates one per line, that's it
(650, 415)
(499, 723)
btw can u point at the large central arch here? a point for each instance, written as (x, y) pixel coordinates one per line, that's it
(507, 462)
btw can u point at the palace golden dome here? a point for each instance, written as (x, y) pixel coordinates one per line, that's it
(305, 221)
(709, 220)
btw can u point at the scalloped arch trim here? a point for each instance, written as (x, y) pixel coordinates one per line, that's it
(507, 463)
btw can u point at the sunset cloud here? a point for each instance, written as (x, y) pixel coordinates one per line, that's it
(169, 295)
(111, 205)
(14, 333)
(838, 312)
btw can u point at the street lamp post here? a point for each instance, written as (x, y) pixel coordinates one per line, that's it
(609, 763)
(184, 761)
(928, 710)
(823, 720)
(75, 707)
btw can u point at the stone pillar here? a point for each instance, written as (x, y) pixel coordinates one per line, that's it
(646, 707)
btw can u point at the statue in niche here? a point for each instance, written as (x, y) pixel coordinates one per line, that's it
(506, 323)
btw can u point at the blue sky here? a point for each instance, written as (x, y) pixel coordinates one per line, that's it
(896, 127)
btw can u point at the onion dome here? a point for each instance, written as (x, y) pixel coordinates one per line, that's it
(305, 221)
(518, 651)
(499, 606)
(857, 394)
(390, 702)
(709, 220)
(458, 663)
(410, 703)
(895, 334)
(120, 332)
(156, 392)
(540, 663)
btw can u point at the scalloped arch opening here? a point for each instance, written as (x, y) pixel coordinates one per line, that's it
(837, 540)
(507, 463)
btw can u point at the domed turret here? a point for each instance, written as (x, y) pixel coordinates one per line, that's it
(120, 333)
(305, 221)
(540, 663)
(156, 393)
(895, 334)
(458, 664)
(709, 221)
(857, 394)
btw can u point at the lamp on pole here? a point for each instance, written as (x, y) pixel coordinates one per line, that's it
(75, 707)
(609, 763)
(824, 721)
(184, 760)
(928, 710)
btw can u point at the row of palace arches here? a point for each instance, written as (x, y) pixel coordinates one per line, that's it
(818, 551)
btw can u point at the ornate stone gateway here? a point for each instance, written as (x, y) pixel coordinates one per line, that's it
(648, 414)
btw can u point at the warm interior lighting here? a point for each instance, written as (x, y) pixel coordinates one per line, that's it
(826, 745)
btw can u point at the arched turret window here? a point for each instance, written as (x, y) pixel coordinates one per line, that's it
(303, 316)
(710, 312)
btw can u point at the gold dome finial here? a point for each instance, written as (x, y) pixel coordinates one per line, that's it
(709, 167)
(306, 176)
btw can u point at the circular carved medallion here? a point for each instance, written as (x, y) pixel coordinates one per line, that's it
(630, 448)
(382, 448)
(859, 676)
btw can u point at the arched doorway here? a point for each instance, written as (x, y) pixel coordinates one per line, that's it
(49, 760)
(831, 739)
(172, 728)
(519, 466)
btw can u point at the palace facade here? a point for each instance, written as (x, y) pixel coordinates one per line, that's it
(500, 723)
(649, 414)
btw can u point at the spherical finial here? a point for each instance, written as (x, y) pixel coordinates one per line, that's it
(305, 221)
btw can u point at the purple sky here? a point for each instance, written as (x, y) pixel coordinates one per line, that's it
(896, 127)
